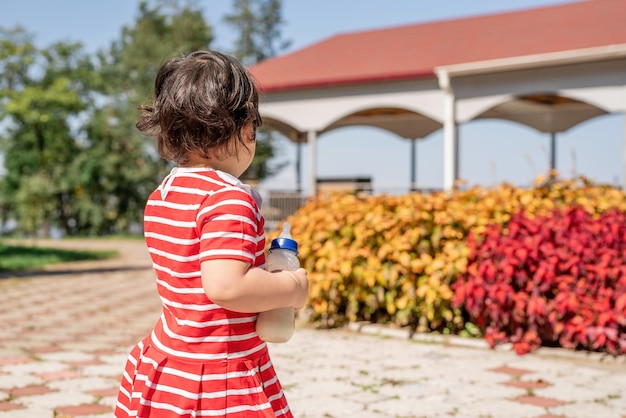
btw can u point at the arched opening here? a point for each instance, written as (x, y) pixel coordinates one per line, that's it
(546, 112)
(402, 122)
(284, 128)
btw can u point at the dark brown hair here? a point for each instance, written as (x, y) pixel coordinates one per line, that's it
(201, 100)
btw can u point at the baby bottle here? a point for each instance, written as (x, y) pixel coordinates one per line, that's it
(277, 325)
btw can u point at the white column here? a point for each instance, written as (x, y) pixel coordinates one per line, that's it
(299, 166)
(552, 160)
(450, 139)
(413, 165)
(311, 138)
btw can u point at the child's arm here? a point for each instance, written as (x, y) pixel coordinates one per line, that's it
(236, 286)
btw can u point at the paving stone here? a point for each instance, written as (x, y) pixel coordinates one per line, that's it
(97, 415)
(30, 390)
(59, 375)
(82, 410)
(35, 346)
(18, 380)
(499, 408)
(102, 393)
(524, 384)
(83, 384)
(66, 356)
(589, 409)
(10, 406)
(53, 400)
(117, 358)
(30, 412)
(540, 401)
(15, 360)
(84, 363)
(109, 370)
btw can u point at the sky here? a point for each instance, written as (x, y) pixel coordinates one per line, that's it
(491, 151)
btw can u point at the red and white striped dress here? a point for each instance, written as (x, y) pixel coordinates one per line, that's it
(201, 360)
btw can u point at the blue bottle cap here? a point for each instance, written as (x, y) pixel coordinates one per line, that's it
(282, 243)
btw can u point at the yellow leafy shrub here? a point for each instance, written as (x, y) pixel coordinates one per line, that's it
(392, 259)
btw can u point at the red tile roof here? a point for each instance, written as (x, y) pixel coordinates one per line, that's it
(414, 51)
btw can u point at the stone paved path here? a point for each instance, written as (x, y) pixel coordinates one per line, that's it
(65, 334)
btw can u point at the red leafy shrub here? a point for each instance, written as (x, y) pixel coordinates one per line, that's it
(551, 280)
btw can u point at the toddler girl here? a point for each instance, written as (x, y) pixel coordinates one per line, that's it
(204, 232)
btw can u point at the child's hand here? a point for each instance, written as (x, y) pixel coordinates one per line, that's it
(300, 276)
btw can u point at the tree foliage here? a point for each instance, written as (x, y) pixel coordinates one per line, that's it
(258, 23)
(73, 158)
(43, 91)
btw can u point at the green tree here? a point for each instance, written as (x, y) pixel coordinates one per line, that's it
(258, 23)
(42, 92)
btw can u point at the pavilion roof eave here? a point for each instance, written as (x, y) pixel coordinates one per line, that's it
(529, 61)
(347, 81)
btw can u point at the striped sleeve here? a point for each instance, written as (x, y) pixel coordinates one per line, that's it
(227, 225)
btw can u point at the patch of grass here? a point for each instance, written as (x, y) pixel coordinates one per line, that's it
(17, 258)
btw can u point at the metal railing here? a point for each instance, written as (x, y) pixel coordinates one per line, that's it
(280, 204)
